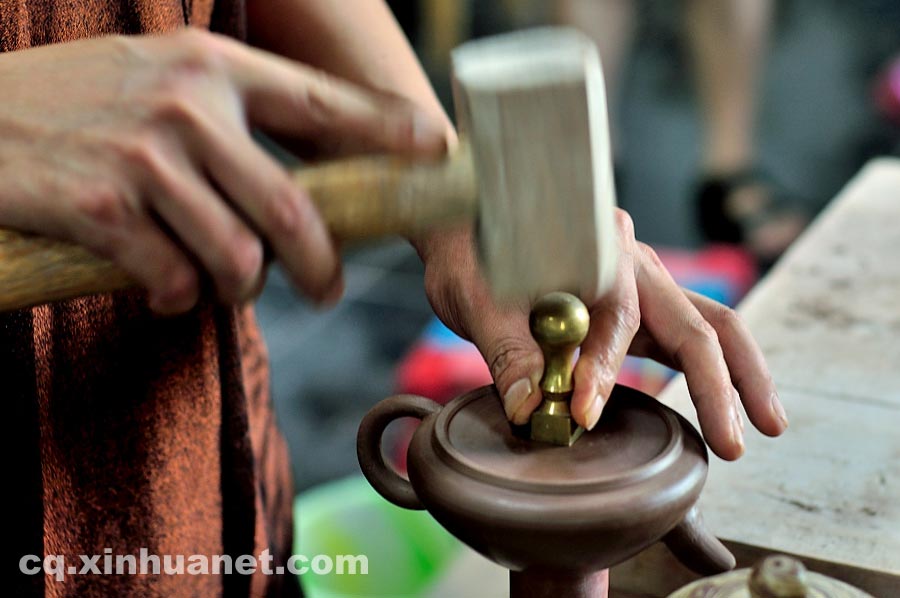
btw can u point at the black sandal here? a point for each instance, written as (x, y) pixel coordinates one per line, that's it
(719, 225)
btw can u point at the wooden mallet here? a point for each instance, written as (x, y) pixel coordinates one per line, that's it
(533, 169)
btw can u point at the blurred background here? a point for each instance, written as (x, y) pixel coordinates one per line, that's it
(733, 123)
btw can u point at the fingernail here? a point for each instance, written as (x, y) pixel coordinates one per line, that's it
(593, 412)
(778, 408)
(426, 132)
(333, 294)
(516, 396)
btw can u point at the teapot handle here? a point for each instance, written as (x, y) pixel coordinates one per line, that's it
(382, 476)
(696, 547)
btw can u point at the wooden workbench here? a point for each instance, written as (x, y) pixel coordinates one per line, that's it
(828, 320)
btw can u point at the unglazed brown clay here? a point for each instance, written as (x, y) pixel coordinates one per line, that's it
(551, 514)
(777, 576)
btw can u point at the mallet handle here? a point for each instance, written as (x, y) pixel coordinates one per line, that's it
(360, 199)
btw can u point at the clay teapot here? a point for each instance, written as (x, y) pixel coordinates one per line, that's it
(552, 513)
(777, 576)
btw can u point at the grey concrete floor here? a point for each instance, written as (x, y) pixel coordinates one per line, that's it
(816, 128)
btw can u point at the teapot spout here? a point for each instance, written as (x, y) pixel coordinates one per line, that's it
(696, 547)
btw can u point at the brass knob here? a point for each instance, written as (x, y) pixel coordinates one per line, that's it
(559, 323)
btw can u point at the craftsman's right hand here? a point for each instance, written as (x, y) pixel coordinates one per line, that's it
(139, 148)
(645, 313)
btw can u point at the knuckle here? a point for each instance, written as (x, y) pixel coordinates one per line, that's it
(701, 330)
(620, 309)
(624, 223)
(180, 289)
(104, 204)
(628, 315)
(726, 319)
(142, 151)
(314, 101)
(285, 215)
(504, 354)
(201, 49)
(198, 57)
(176, 108)
(650, 257)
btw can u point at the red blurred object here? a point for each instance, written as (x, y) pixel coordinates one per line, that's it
(439, 374)
(887, 91)
(440, 370)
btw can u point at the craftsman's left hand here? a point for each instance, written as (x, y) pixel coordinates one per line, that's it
(645, 313)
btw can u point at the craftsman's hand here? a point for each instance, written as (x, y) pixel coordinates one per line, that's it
(139, 148)
(645, 314)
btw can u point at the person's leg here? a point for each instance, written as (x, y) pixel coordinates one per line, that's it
(610, 23)
(728, 44)
(728, 40)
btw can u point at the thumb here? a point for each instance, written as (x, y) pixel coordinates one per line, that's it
(515, 361)
(460, 296)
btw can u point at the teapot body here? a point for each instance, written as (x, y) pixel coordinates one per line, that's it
(518, 523)
(628, 483)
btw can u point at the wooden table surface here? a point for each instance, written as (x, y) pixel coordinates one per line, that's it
(828, 320)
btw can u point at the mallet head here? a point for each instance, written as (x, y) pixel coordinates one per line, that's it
(532, 106)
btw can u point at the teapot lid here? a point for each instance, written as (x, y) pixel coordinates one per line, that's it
(638, 443)
(777, 576)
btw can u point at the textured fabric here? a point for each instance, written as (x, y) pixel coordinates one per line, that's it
(132, 431)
